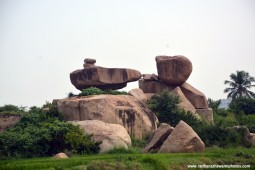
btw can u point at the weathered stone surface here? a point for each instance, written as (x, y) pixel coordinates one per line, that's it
(125, 110)
(111, 135)
(251, 138)
(103, 78)
(138, 94)
(184, 104)
(196, 98)
(89, 60)
(158, 138)
(206, 114)
(60, 155)
(150, 77)
(173, 70)
(7, 120)
(154, 86)
(182, 139)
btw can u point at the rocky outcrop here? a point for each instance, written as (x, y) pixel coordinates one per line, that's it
(124, 110)
(206, 114)
(158, 138)
(60, 155)
(138, 94)
(195, 97)
(101, 77)
(182, 139)
(150, 77)
(7, 120)
(173, 70)
(150, 86)
(110, 135)
(248, 137)
(184, 104)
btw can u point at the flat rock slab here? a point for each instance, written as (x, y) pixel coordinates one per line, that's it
(103, 78)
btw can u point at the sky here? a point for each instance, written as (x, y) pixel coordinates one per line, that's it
(43, 41)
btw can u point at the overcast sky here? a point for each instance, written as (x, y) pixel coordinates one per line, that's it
(42, 41)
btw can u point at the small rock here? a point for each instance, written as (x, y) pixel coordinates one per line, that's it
(60, 155)
(89, 61)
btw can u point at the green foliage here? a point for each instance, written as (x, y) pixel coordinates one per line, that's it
(97, 91)
(219, 136)
(243, 105)
(214, 104)
(166, 108)
(41, 133)
(12, 109)
(239, 84)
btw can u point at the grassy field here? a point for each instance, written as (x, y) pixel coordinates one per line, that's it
(218, 156)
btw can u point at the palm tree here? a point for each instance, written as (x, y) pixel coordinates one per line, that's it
(239, 84)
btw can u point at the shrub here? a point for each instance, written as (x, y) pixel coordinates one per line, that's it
(12, 109)
(43, 134)
(243, 105)
(97, 91)
(166, 108)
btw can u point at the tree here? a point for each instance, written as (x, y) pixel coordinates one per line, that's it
(240, 83)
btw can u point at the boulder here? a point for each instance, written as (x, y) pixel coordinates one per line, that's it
(184, 104)
(89, 62)
(150, 77)
(182, 139)
(154, 86)
(251, 138)
(173, 70)
(247, 136)
(110, 135)
(124, 110)
(158, 138)
(60, 155)
(206, 114)
(7, 120)
(103, 78)
(196, 98)
(138, 94)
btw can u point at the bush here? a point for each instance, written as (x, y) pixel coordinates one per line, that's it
(166, 108)
(243, 105)
(11, 109)
(97, 91)
(43, 134)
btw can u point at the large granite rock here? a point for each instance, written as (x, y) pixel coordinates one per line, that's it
(138, 94)
(7, 120)
(185, 103)
(111, 135)
(124, 110)
(158, 138)
(101, 77)
(154, 86)
(196, 98)
(173, 70)
(182, 139)
(206, 114)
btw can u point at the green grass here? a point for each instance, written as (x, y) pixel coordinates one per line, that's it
(137, 161)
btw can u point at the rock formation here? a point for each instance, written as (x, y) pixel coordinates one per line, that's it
(158, 138)
(101, 77)
(124, 110)
(111, 135)
(173, 70)
(173, 73)
(167, 139)
(7, 120)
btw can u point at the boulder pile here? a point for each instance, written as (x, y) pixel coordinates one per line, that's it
(173, 73)
(167, 139)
